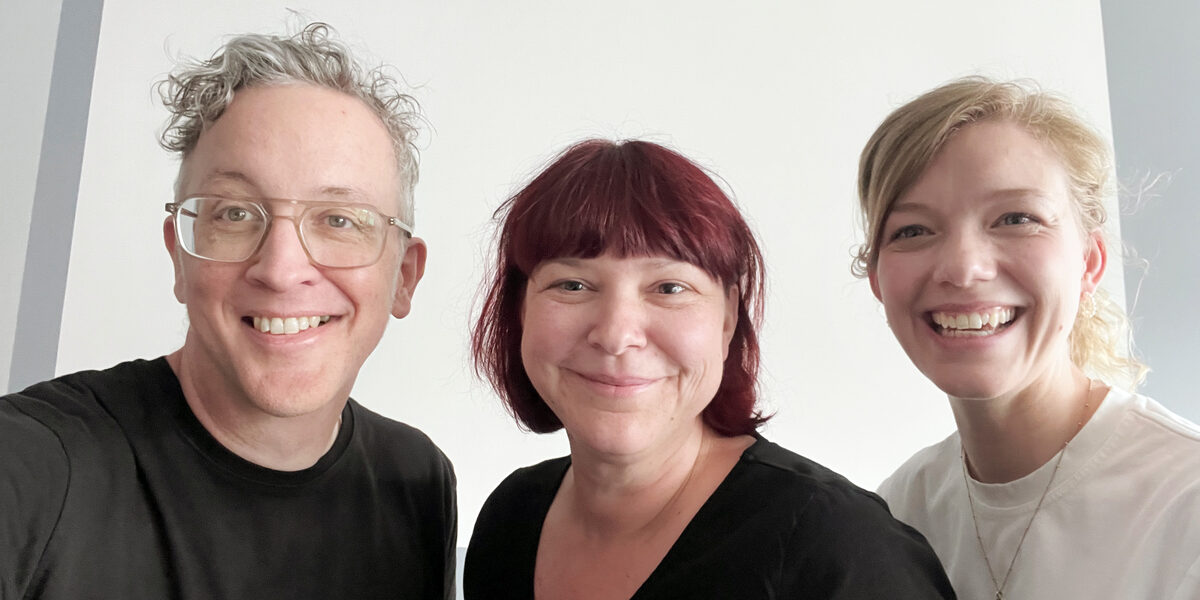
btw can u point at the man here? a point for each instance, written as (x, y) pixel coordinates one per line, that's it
(237, 467)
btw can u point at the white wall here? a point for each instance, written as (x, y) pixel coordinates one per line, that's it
(776, 97)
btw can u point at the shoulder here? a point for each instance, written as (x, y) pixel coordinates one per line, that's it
(1155, 455)
(530, 485)
(844, 535)
(33, 450)
(390, 441)
(922, 476)
(500, 558)
(803, 480)
(1175, 428)
(62, 455)
(1150, 443)
(521, 500)
(812, 488)
(816, 495)
(78, 408)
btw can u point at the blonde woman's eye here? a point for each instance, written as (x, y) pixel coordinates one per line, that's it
(1017, 219)
(908, 232)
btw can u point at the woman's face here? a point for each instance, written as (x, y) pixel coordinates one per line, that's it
(983, 262)
(627, 352)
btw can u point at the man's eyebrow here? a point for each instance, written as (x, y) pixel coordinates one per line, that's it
(230, 175)
(343, 192)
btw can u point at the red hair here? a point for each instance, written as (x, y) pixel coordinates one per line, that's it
(632, 199)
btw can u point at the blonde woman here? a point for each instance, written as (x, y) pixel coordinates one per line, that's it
(982, 206)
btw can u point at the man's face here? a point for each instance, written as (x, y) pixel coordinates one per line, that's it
(300, 142)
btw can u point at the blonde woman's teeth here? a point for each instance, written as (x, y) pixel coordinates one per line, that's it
(982, 321)
(287, 325)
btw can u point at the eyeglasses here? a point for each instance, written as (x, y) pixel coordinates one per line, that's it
(233, 229)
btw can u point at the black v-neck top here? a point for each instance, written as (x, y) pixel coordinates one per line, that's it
(779, 526)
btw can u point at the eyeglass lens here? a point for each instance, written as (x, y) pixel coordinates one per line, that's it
(231, 230)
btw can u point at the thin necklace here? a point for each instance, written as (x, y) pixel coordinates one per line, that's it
(654, 523)
(1000, 585)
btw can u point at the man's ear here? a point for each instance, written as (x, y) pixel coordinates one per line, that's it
(1095, 261)
(172, 245)
(412, 268)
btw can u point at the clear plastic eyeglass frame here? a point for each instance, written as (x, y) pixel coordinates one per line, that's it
(180, 214)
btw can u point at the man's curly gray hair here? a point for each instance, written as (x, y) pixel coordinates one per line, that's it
(197, 93)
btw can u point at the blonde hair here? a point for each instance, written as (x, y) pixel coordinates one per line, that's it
(909, 138)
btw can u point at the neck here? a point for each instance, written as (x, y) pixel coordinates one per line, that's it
(1009, 437)
(613, 498)
(283, 443)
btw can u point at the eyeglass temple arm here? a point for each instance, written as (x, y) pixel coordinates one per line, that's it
(177, 207)
(402, 225)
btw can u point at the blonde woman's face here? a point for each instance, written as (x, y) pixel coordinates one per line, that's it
(982, 264)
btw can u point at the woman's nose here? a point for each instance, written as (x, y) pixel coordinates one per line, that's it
(620, 323)
(964, 259)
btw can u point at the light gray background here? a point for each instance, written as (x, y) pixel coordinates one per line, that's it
(776, 97)
(1153, 55)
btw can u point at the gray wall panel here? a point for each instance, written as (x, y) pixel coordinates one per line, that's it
(28, 31)
(1152, 50)
(52, 217)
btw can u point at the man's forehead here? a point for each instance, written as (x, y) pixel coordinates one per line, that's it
(237, 183)
(296, 141)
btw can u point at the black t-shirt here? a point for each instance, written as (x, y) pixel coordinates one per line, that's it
(779, 526)
(111, 488)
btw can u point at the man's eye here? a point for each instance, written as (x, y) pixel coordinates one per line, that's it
(670, 288)
(337, 221)
(236, 214)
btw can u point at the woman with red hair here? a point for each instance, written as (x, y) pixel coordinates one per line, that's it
(624, 308)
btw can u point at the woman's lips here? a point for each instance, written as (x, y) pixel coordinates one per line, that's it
(616, 385)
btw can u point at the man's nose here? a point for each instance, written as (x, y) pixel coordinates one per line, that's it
(281, 261)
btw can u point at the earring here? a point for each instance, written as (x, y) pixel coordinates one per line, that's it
(1087, 305)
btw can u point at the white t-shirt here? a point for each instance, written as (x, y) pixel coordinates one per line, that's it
(1121, 521)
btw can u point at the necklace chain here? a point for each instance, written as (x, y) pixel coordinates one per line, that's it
(1000, 585)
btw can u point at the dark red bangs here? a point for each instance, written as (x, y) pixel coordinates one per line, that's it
(621, 200)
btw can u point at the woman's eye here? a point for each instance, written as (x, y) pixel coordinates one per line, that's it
(909, 231)
(570, 286)
(337, 221)
(1017, 219)
(670, 288)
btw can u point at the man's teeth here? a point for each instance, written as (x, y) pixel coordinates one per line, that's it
(287, 325)
(975, 321)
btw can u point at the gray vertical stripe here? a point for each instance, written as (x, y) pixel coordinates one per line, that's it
(44, 283)
(1153, 58)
